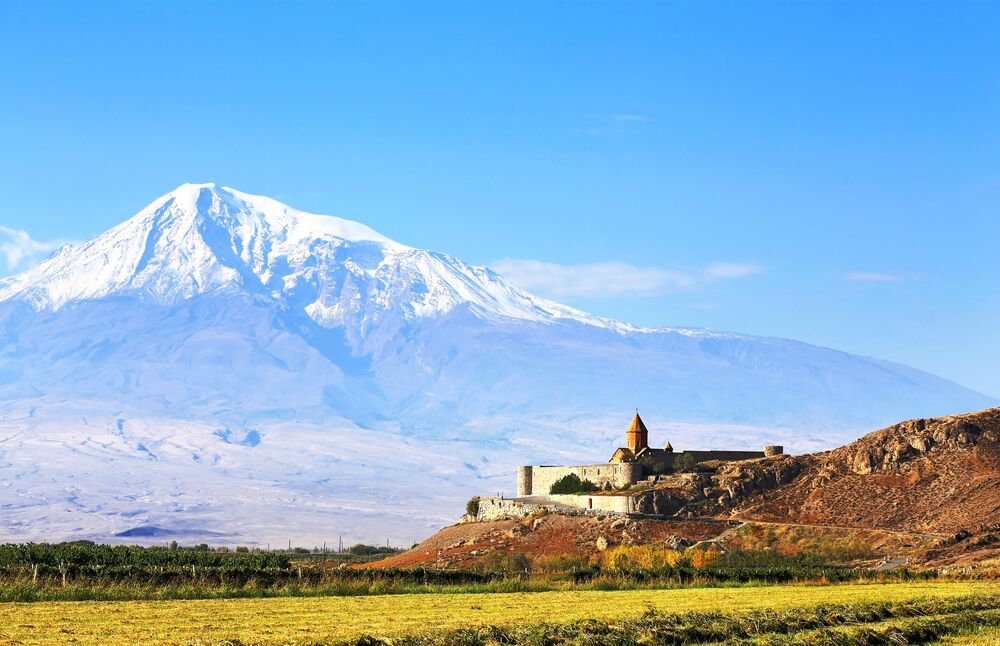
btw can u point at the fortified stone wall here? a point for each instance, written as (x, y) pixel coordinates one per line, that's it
(607, 503)
(663, 462)
(727, 456)
(524, 481)
(537, 481)
(494, 508)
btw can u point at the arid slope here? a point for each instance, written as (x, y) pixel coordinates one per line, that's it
(547, 536)
(927, 475)
(926, 489)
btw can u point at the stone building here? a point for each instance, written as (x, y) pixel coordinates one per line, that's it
(628, 465)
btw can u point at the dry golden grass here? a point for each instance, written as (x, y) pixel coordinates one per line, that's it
(832, 544)
(984, 637)
(283, 620)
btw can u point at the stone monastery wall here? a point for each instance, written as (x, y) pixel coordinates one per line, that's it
(727, 456)
(494, 508)
(536, 481)
(607, 503)
(629, 465)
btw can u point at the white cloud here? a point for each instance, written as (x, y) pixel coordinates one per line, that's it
(18, 250)
(873, 277)
(723, 270)
(612, 278)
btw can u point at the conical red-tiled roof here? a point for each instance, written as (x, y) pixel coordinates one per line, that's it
(636, 426)
(636, 436)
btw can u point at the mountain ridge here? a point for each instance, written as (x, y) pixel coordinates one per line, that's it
(253, 228)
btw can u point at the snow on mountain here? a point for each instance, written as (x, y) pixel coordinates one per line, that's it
(203, 239)
(223, 363)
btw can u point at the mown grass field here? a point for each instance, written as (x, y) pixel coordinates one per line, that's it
(985, 637)
(312, 619)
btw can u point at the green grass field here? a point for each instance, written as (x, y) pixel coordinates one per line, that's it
(304, 620)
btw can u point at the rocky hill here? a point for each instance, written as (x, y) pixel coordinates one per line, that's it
(547, 536)
(924, 489)
(937, 475)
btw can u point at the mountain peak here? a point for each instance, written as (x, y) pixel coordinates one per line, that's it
(205, 238)
(230, 205)
(195, 239)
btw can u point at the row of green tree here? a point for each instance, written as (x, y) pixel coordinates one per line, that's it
(86, 553)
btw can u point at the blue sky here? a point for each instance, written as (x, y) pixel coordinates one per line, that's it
(821, 171)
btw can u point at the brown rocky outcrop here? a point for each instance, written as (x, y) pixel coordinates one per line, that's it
(551, 535)
(928, 481)
(937, 475)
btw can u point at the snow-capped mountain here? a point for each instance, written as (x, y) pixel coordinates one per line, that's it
(202, 239)
(221, 362)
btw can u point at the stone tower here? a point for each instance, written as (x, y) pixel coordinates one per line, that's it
(524, 481)
(636, 436)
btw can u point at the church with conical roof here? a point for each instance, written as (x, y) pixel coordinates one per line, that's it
(629, 464)
(637, 443)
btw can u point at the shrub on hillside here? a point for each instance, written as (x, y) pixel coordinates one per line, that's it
(572, 483)
(472, 507)
(656, 557)
(685, 464)
(372, 550)
(703, 557)
(516, 564)
(643, 557)
(560, 564)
